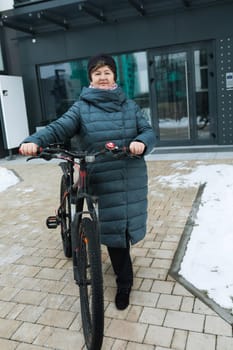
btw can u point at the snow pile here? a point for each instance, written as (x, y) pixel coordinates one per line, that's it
(208, 260)
(7, 179)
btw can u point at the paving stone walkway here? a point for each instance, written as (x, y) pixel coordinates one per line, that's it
(39, 302)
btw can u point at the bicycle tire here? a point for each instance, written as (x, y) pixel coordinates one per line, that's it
(65, 217)
(90, 281)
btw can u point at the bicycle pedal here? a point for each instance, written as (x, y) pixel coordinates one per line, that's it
(52, 222)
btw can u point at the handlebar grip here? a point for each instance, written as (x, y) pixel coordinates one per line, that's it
(39, 150)
(41, 153)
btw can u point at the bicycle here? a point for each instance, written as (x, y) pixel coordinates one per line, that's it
(78, 217)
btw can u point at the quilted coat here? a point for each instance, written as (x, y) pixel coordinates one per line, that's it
(97, 117)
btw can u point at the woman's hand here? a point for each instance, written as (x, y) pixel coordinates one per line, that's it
(28, 149)
(137, 147)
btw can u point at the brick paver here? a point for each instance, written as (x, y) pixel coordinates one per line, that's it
(39, 302)
(200, 341)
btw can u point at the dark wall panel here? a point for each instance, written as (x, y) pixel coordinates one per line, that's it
(225, 93)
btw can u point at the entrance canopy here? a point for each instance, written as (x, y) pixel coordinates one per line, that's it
(40, 16)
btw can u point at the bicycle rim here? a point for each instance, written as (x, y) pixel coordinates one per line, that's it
(65, 216)
(90, 284)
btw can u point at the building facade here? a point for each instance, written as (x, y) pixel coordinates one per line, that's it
(174, 57)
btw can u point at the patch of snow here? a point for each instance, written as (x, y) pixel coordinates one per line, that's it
(7, 179)
(208, 260)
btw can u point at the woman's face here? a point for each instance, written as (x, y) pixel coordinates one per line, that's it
(102, 78)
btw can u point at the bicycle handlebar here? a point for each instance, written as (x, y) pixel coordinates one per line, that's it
(55, 151)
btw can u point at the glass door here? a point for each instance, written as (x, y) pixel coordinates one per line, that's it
(182, 86)
(202, 94)
(172, 96)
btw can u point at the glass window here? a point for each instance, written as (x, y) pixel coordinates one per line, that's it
(133, 78)
(61, 83)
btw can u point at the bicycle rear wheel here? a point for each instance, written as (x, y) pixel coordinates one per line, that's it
(90, 281)
(65, 217)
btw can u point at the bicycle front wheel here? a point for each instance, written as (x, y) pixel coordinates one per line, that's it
(90, 282)
(65, 217)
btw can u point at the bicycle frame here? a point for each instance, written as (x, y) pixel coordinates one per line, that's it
(78, 190)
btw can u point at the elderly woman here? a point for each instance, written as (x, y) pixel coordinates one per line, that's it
(102, 114)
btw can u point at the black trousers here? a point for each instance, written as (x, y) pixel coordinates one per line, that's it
(122, 266)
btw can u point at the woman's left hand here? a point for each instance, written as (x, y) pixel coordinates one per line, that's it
(137, 147)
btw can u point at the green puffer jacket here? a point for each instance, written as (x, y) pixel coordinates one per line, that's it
(98, 117)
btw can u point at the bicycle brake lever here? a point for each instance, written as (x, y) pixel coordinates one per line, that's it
(43, 155)
(30, 158)
(46, 156)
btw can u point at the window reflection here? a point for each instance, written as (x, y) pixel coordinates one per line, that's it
(133, 78)
(172, 96)
(61, 85)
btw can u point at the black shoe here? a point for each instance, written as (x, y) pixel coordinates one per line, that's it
(122, 298)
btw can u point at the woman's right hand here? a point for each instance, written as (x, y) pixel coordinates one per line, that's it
(28, 149)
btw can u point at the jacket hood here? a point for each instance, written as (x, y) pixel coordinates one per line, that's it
(107, 100)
